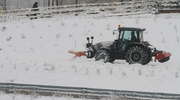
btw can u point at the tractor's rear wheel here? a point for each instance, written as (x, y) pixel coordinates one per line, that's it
(139, 55)
(103, 55)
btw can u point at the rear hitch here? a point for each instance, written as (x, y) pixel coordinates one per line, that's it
(161, 56)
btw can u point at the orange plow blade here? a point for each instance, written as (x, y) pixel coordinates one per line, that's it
(77, 53)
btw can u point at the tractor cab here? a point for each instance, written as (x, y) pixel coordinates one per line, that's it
(126, 37)
(129, 34)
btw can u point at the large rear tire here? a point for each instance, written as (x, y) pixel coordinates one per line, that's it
(103, 55)
(139, 55)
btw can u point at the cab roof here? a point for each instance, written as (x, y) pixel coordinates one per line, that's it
(131, 29)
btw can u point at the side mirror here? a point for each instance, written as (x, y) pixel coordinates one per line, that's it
(115, 32)
(88, 39)
(92, 39)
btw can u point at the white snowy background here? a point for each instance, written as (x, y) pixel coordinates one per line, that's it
(36, 52)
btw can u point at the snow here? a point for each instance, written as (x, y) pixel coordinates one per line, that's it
(4, 96)
(36, 52)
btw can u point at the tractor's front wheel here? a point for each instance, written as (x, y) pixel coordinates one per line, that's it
(103, 55)
(139, 55)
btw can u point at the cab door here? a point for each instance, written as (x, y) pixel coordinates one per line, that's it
(119, 45)
(124, 40)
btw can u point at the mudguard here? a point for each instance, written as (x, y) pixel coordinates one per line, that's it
(105, 44)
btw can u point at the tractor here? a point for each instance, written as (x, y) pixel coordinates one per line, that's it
(129, 45)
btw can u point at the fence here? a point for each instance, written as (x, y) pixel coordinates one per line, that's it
(86, 93)
(15, 4)
(100, 9)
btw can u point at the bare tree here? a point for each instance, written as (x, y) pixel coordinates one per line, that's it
(76, 1)
(61, 2)
(57, 2)
(54, 2)
(49, 3)
(3, 4)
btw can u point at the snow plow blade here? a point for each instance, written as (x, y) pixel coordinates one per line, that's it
(162, 56)
(77, 53)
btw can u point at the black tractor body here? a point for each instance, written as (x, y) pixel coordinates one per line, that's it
(129, 45)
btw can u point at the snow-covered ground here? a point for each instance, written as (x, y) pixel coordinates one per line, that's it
(4, 96)
(36, 52)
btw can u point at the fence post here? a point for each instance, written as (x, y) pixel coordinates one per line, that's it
(76, 2)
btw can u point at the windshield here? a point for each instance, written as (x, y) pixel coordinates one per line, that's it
(127, 35)
(135, 36)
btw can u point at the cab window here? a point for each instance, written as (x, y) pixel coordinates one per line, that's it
(126, 36)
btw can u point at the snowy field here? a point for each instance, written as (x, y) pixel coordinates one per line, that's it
(36, 52)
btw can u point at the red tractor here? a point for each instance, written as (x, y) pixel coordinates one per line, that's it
(128, 46)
